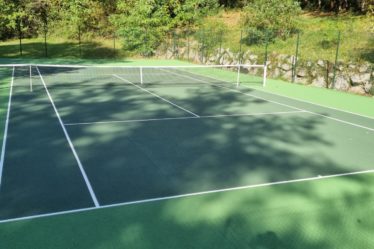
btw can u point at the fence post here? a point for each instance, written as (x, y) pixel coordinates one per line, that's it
(188, 43)
(114, 44)
(145, 53)
(371, 79)
(20, 36)
(294, 65)
(336, 59)
(240, 46)
(114, 41)
(266, 47)
(79, 40)
(45, 38)
(174, 44)
(202, 45)
(220, 41)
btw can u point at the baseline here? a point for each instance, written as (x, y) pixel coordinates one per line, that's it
(268, 184)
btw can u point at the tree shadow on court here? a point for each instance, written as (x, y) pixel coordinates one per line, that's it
(141, 160)
(37, 175)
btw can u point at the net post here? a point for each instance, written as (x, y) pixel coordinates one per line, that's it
(30, 68)
(238, 76)
(265, 73)
(141, 75)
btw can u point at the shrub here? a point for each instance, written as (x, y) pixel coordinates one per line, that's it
(270, 19)
(210, 35)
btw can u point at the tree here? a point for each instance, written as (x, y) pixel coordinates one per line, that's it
(143, 24)
(7, 19)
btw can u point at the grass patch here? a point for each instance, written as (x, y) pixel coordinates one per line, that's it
(318, 39)
(63, 48)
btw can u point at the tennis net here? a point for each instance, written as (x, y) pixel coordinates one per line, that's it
(104, 76)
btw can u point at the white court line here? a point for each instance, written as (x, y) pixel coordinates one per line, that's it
(301, 100)
(125, 80)
(184, 118)
(297, 99)
(90, 189)
(2, 157)
(275, 102)
(172, 197)
(308, 102)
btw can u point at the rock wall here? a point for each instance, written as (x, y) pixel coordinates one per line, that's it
(352, 77)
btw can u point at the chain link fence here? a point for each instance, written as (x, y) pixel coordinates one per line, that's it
(331, 50)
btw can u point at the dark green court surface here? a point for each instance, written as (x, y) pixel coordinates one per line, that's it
(183, 133)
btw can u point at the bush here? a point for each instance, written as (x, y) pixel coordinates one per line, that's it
(210, 35)
(270, 19)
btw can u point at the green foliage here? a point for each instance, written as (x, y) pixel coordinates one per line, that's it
(269, 19)
(210, 35)
(15, 19)
(83, 16)
(144, 24)
(360, 6)
(141, 24)
(7, 19)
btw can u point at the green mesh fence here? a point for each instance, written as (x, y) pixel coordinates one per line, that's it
(213, 45)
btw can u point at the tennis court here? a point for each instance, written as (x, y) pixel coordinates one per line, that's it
(79, 138)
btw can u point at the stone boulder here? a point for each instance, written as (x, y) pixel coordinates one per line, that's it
(286, 67)
(368, 87)
(360, 79)
(357, 90)
(363, 68)
(341, 83)
(319, 81)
